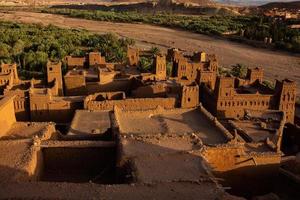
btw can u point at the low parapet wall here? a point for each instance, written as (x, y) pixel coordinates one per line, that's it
(227, 157)
(216, 123)
(132, 104)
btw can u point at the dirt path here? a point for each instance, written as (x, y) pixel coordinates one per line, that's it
(277, 64)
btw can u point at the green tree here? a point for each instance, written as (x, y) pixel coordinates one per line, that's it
(239, 70)
(154, 51)
(146, 64)
(169, 68)
(17, 50)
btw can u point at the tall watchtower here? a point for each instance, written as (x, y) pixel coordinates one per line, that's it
(286, 91)
(160, 67)
(54, 73)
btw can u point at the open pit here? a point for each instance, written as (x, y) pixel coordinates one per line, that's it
(79, 165)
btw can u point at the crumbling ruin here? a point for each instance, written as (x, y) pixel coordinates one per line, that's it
(107, 128)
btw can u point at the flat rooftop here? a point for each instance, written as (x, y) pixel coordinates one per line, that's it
(255, 131)
(15, 156)
(90, 122)
(170, 122)
(22, 130)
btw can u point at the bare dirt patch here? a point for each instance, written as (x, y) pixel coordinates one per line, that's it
(277, 64)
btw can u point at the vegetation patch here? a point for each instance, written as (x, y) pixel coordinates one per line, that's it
(242, 27)
(32, 45)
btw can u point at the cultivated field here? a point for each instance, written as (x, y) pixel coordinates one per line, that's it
(277, 64)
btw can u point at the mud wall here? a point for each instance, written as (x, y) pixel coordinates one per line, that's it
(132, 104)
(216, 123)
(114, 86)
(7, 114)
(229, 157)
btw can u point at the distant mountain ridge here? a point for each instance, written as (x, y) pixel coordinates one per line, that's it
(251, 2)
(287, 5)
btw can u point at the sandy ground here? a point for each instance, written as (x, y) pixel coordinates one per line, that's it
(277, 64)
(44, 190)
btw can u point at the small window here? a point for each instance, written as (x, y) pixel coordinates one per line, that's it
(50, 68)
(189, 99)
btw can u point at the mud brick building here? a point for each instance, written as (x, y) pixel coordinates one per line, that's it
(232, 96)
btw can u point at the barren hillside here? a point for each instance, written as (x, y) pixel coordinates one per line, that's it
(286, 5)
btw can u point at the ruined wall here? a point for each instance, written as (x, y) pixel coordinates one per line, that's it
(216, 123)
(229, 157)
(132, 104)
(7, 114)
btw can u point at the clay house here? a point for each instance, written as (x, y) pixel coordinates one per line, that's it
(92, 80)
(129, 129)
(89, 60)
(8, 76)
(37, 100)
(199, 68)
(232, 96)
